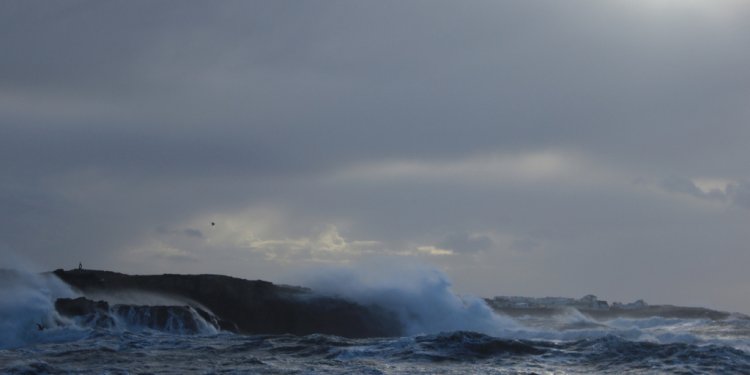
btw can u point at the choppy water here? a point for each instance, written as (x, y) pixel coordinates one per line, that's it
(450, 353)
(568, 343)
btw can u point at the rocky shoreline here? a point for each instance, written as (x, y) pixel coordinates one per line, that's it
(599, 309)
(260, 307)
(237, 305)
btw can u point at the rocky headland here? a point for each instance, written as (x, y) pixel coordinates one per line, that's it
(232, 304)
(190, 303)
(599, 309)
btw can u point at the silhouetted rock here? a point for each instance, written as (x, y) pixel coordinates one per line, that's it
(597, 309)
(92, 312)
(178, 319)
(244, 306)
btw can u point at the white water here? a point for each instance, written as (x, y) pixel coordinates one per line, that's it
(424, 302)
(27, 300)
(420, 296)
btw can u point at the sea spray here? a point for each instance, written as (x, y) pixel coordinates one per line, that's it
(421, 296)
(27, 311)
(171, 319)
(566, 341)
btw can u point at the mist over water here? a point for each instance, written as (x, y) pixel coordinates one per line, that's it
(421, 296)
(443, 332)
(28, 315)
(26, 301)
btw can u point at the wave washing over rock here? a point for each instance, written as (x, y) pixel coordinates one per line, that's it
(243, 306)
(85, 321)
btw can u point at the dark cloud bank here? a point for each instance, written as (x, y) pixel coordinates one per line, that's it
(539, 148)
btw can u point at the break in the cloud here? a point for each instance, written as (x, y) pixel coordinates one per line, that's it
(464, 242)
(523, 147)
(737, 193)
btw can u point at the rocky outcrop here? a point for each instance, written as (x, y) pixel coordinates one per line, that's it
(94, 313)
(243, 306)
(597, 309)
(177, 319)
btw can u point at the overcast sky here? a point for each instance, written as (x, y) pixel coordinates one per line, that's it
(521, 147)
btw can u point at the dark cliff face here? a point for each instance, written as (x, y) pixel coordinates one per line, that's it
(663, 311)
(94, 312)
(254, 307)
(179, 319)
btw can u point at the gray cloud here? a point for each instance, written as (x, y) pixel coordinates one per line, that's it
(740, 194)
(524, 244)
(687, 186)
(401, 124)
(190, 232)
(466, 243)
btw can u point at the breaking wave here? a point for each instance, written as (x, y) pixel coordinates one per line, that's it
(27, 303)
(31, 306)
(443, 332)
(421, 297)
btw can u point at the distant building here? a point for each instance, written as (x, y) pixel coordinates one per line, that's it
(639, 304)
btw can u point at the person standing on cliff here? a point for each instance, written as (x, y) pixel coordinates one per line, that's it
(80, 266)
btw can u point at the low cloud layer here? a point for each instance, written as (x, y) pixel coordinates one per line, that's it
(539, 148)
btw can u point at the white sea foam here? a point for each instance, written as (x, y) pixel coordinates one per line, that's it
(28, 315)
(27, 304)
(423, 300)
(420, 296)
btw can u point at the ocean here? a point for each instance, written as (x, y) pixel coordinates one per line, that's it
(144, 341)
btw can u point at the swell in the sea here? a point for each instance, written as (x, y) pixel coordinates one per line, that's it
(457, 352)
(50, 327)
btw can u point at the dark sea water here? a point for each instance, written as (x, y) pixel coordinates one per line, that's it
(566, 343)
(448, 353)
